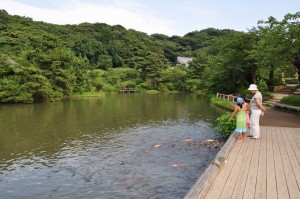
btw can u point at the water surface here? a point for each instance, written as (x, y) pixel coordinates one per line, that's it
(105, 147)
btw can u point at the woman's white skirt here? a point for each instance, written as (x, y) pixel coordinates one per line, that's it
(254, 126)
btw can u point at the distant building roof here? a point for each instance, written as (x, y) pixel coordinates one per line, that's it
(184, 60)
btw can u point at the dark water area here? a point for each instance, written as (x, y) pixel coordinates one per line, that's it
(115, 146)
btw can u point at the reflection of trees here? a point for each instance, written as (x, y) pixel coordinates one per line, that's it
(44, 129)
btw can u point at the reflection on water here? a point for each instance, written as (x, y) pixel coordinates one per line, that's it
(105, 147)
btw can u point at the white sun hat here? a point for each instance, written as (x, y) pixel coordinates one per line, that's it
(252, 87)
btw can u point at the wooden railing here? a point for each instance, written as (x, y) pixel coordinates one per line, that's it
(230, 98)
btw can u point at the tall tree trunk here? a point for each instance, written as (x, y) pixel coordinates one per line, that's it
(271, 78)
(253, 74)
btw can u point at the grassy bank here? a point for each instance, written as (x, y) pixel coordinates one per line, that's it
(222, 103)
(86, 94)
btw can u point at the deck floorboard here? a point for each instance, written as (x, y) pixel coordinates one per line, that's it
(268, 168)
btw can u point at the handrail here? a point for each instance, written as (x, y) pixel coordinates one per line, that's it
(230, 98)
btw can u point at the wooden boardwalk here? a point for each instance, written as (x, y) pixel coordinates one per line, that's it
(268, 168)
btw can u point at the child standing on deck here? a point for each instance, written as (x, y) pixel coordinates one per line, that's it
(240, 112)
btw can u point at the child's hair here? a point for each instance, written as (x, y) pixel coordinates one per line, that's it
(240, 105)
(240, 102)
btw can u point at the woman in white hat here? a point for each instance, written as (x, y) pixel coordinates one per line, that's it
(256, 111)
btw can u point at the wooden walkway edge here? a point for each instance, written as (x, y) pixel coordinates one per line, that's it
(268, 168)
(284, 106)
(202, 185)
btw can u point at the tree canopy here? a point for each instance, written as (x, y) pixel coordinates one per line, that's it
(44, 62)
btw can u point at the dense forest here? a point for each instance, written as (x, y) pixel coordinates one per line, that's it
(45, 62)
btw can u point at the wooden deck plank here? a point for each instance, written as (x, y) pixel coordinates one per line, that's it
(249, 192)
(266, 168)
(261, 181)
(296, 136)
(271, 176)
(240, 185)
(204, 182)
(295, 147)
(295, 140)
(288, 170)
(292, 165)
(235, 172)
(218, 184)
(282, 190)
(242, 178)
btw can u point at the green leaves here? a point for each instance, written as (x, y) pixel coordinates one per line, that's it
(54, 60)
(224, 126)
(291, 100)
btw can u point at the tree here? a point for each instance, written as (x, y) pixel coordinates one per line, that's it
(151, 69)
(174, 78)
(90, 48)
(287, 34)
(231, 66)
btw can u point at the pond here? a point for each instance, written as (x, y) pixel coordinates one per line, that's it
(115, 146)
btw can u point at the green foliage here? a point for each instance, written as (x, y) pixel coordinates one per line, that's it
(139, 89)
(109, 88)
(44, 62)
(262, 86)
(88, 94)
(174, 78)
(151, 70)
(193, 85)
(291, 81)
(224, 126)
(163, 88)
(293, 100)
(152, 91)
(197, 66)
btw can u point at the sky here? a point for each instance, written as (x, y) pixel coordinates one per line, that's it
(169, 17)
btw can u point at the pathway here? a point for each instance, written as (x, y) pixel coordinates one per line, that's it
(264, 168)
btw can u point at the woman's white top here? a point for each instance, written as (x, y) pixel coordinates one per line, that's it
(253, 102)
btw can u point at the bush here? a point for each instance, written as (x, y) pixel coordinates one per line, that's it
(293, 100)
(225, 127)
(139, 89)
(127, 84)
(163, 88)
(291, 81)
(170, 86)
(152, 91)
(262, 86)
(108, 88)
(192, 85)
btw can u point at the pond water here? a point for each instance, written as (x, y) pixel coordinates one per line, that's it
(115, 146)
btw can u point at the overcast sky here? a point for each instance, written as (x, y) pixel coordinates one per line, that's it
(170, 17)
